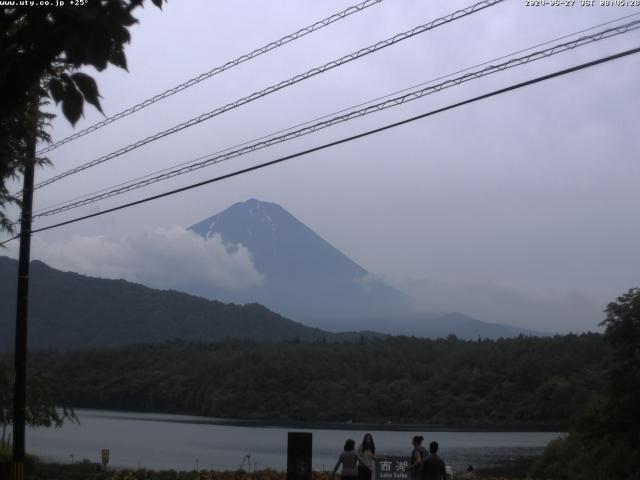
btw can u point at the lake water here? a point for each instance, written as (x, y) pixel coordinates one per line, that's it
(181, 442)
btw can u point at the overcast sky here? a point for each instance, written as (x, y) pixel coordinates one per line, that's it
(520, 209)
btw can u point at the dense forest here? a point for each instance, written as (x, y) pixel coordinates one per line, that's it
(525, 382)
(604, 437)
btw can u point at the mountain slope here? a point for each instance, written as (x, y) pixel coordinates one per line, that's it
(305, 276)
(71, 310)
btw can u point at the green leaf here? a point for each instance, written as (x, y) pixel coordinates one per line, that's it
(72, 103)
(89, 89)
(56, 89)
(126, 19)
(121, 34)
(118, 58)
(99, 47)
(75, 49)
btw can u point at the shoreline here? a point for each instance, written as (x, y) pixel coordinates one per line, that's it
(313, 425)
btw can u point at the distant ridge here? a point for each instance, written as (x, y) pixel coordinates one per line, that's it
(69, 310)
(430, 326)
(305, 278)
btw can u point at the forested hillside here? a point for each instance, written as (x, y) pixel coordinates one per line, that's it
(524, 382)
(69, 310)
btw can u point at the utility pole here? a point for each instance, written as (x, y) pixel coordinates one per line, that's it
(22, 308)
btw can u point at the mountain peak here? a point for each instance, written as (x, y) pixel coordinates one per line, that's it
(250, 213)
(255, 203)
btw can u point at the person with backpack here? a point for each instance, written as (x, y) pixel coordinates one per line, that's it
(433, 467)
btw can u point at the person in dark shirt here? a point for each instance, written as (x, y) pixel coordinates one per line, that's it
(433, 467)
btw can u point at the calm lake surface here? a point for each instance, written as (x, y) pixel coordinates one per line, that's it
(180, 442)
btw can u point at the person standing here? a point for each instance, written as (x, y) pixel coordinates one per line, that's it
(349, 460)
(433, 467)
(366, 456)
(418, 454)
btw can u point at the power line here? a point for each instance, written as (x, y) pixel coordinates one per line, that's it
(215, 71)
(130, 185)
(406, 89)
(393, 102)
(279, 86)
(344, 140)
(207, 156)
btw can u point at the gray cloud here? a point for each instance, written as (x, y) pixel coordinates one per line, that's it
(158, 257)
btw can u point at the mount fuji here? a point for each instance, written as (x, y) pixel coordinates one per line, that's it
(305, 277)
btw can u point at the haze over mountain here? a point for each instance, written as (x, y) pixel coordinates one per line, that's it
(68, 311)
(252, 253)
(306, 278)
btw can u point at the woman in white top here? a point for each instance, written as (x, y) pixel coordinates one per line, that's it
(349, 460)
(366, 457)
